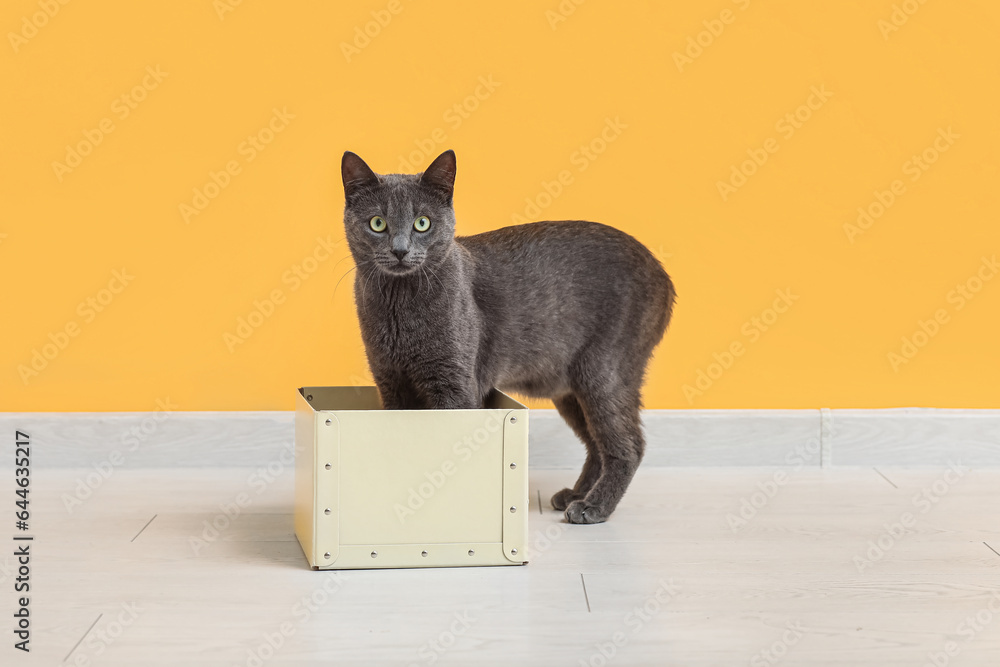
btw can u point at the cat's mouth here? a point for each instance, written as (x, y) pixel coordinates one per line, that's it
(398, 267)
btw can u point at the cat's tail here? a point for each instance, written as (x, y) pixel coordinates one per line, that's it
(668, 297)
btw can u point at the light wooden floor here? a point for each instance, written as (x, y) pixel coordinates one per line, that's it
(725, 597)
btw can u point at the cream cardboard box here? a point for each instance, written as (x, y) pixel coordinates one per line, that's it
(379, 488)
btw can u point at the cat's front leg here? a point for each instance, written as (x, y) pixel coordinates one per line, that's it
(452, 393)
(397, 392)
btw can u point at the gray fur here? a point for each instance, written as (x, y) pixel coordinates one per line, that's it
(564, 310)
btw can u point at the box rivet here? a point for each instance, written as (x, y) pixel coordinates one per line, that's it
(327, 555)
(374, 554)
(513, 552)
(472, 552)
(424, 554)
(326, 511)
(329, 421)
(513, 466)
(513, 420)
(512, 509)
(309, 397)
(328, 466)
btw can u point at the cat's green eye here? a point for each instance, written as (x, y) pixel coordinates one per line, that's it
(377, 224)
(422, 224)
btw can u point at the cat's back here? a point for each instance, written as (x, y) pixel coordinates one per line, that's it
(566, 249)
(579, 273)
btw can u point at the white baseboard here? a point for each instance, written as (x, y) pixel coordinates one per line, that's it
(910, 437)
(916, 437)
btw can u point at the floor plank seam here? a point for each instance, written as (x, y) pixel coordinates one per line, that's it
(884, 477)
(77, 644)
(143, 528)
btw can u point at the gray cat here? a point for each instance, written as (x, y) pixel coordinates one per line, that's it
(569, 311)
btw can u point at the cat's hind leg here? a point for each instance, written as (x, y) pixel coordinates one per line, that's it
(613, 420)
(570, 409)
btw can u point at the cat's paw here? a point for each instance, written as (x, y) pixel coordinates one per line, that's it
(579, 511)
(562, 499)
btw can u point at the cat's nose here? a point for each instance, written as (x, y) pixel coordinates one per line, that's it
(400, 254)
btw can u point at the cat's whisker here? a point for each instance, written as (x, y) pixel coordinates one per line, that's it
(346, 274)
(378, 283)
(364, 286)
(365, 275)
(379, 276)
(429, 273)
(434, 273)
(372, 274)
(347, 256)
(341, 280)
(420, 281)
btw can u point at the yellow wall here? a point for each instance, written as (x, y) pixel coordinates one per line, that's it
(531, 86)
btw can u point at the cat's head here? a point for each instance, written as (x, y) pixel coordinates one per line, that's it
(399, 221)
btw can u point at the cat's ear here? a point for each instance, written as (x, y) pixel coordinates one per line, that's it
(441, 174)
(356, 173)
